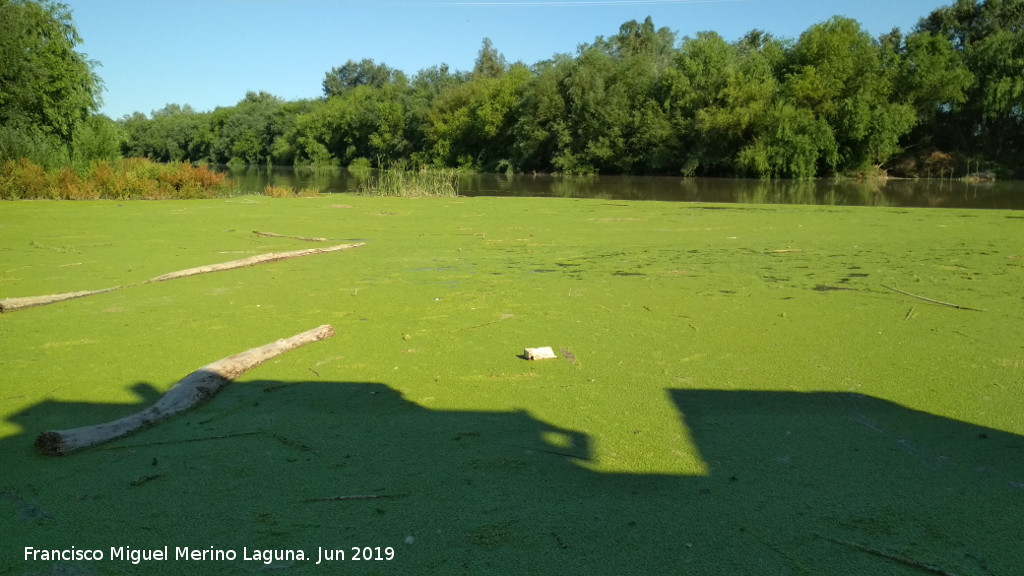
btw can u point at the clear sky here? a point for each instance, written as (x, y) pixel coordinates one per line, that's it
(209, 53)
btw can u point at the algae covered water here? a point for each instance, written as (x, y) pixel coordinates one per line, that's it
(738, 389)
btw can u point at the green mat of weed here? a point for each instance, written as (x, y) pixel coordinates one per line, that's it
(738, 390)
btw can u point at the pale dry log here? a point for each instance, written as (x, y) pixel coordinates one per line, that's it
(190, 391)
(252, 261)
(275, 235)
(12, 304)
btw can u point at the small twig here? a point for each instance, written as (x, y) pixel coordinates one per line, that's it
(355, 497)
(474, 327)
(144, 479)
(569, 356)
(910, 314)
(274, 235)
(894, 557)
(184, 441)
(555, 452)
(957, 306)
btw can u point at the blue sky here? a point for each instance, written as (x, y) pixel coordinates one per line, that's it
(209, 53)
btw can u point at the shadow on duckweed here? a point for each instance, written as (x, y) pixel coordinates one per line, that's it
(798, 483)
(894, 192)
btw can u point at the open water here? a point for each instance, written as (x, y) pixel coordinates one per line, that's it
(894, 192)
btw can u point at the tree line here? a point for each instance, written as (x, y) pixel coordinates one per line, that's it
(948, 95)
(49, 92)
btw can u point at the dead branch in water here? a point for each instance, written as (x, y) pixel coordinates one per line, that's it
(190, 391)
(356, 497)
(274, 235)
(958, 307)
(894, 557)
(252, 261)
(12, 304)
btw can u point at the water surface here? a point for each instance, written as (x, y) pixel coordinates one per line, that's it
(899, 193)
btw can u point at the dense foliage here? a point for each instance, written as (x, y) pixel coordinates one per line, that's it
(48, 90)
(946, 98)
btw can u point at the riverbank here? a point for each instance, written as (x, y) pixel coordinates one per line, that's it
(738, 388)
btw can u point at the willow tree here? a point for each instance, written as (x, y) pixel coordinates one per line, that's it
(47, 88)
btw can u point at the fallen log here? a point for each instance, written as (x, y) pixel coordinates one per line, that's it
(252, 261)
(190, 391)
(12, 304)
(275, 235)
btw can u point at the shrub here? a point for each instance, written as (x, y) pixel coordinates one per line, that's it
(122, 179)
(360, 166)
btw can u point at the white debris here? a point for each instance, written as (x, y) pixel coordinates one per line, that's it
(539, 353)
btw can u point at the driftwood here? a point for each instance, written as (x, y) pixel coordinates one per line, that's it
(252, 261)
(274, 235)
(356, 497)
(12, 304)
(940, 303)
(190, 391)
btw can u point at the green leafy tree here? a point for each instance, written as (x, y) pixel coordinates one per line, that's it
(836, 72)
(540, 124)
(789, 142)
(47, 88)
(489, 62)
(597, 111)
(643, 54)
(987, 36)
(174, 133)
(697, 101)
(98, 138)
(245, 131)
(471, 124)
(363, 73)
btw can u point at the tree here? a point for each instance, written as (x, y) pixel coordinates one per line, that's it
(789, 142)
(836, 72)
(363, 73)
(47, 88)
(695, 93)
(988, 37)
(471, 124)
(541, 116)
(98, 138)
(489, 62)
(244, 131)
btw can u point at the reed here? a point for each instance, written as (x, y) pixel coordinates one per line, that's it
(399, 179)
(278, 191)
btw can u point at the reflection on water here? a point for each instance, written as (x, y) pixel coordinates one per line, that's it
(921, 193)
